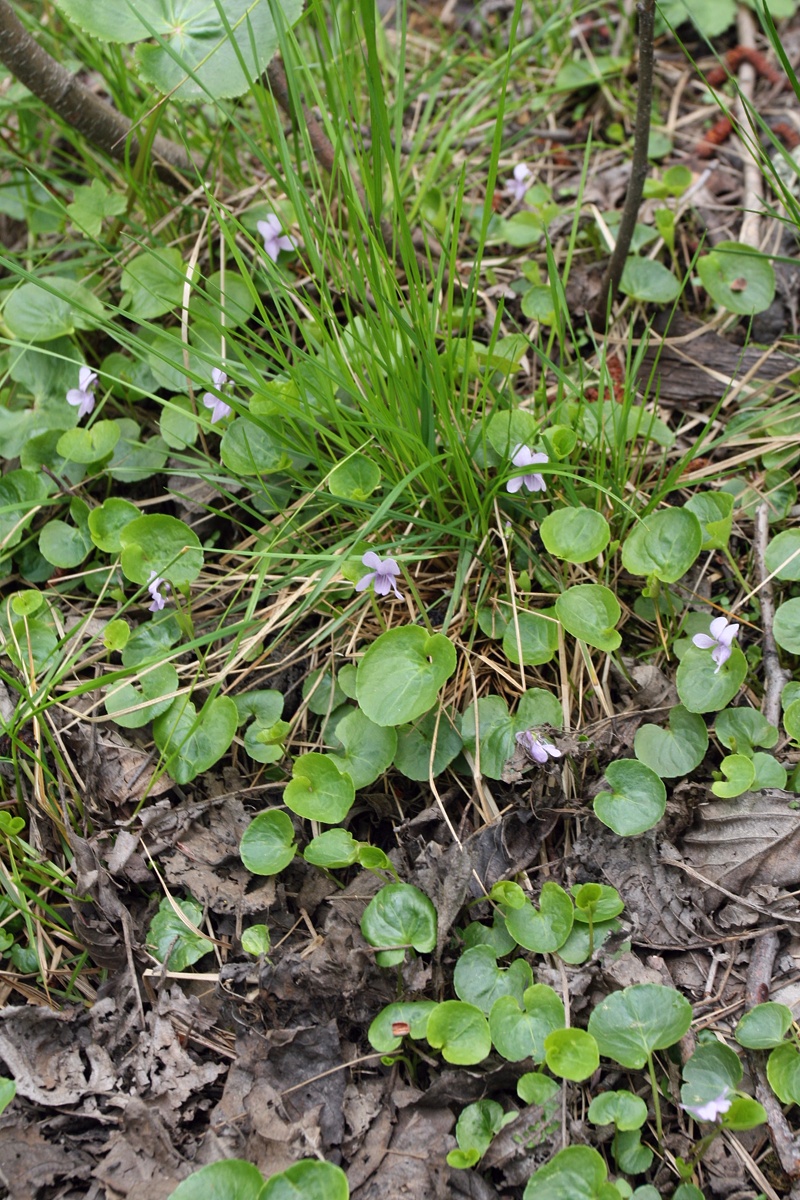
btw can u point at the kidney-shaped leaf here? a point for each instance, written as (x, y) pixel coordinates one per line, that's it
(702, 686)
(193, 741)
(318, 790)
(629, 1025)
(478, 980)
(231, 1179)
(400, 675)
(519, 1030)
(738, 278)
(575, 1173)
(674, 751)
(162, 544)
(460, 1031)
(764, 1026)
(575, 534)
(309, 1179)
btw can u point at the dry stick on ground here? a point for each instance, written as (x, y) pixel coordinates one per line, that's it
(774, 674)
(759, 976)
(71, 100)
(639, 165)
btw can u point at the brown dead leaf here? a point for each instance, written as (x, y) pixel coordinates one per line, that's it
(29, 1163)
(752, 841)
(414, 1164)
(54, 1056)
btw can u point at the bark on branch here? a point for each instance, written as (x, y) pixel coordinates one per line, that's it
(71, 100)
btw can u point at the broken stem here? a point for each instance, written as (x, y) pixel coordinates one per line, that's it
(639, 164)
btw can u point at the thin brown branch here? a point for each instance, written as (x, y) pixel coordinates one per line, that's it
(757, 988)
(86, 113)
(639, 165)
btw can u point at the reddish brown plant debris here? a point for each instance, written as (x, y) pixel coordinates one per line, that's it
(734, 59)
(787, 133)
(713, 137)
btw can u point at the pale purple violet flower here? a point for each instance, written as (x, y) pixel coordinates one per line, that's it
(722, 634)
(523, 456)
(536, 747)
(274, 240)
(519, 183)
(711, 1109)
(82, 397)
(219, 408)
(154, 583)
(382, 575)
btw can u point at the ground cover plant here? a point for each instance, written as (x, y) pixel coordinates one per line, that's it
(400, 609)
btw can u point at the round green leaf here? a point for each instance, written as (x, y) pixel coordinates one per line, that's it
(783, 1072)
(354, 479)
(712, 1070)
(622, 1109)
(161, 544)
(791, 720)
(739, 774)
(383, 1033)
(516, 427)
(478, 1124)
(674, 751)
(664, 544)
(538, 707)
(782, 555)
(106, 522)
(133, 707)
(590, 612)
(247, 449)
(368, 748)
(544, 929)
(571, 1054)
(63, 545)
(256, 940)
(714, 511)
(744, 1113)
(333, 849)
(638, 800)
(702, 686)
(89, 445)
(786, 626)
(603, 902)
(401, 673)
(647, 280)
(478, 980)
(26, 603)
(51, 307)
(460, 1031)
(575, 1173)
(193, 741)
(740, 729)
(231, 1179)
(534, 1087)
(575, 534)
(170, 939)
(737, 278)
(268, 844)
(400, 915)
(309, 1179)
(318, 790)
(538, 638)
(630, 1024)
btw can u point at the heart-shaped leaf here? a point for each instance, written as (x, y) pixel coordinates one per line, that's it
(764, 1026)
(268, 844)
(400, 675)
(193, 741)
(544, 929)
(714, 511)
(384, 1033)
(162, 544)
(575, 534)
(630, 1024)
(739, 774)
(399, 915)
(663, 544)
(478, 980)
(309, 1179)
(571, 1054)
(575, 1173)
(368, 749)
(638, 800)
(674, 751)
(737, 277)
(519, 1030)
(460, 1031)
(318, 790)
(705, 688)
(590, 612)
